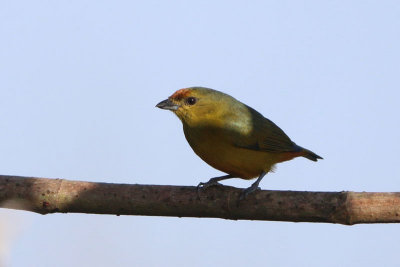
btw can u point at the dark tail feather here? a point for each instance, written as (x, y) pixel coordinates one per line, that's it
(311, 155)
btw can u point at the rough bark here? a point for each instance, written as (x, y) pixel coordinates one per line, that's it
(46, 196)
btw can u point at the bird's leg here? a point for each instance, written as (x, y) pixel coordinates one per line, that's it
(253, 187)
(214, 181)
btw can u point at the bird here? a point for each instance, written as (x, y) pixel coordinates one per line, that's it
(231, 136)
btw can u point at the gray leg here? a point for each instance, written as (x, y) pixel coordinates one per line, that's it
(253, 187)
(214, 181)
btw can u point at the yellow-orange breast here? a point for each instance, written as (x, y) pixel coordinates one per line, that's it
(214, 148)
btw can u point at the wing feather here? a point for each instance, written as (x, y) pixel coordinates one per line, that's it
(267, 136)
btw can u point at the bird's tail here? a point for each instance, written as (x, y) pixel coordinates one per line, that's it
(310, 155)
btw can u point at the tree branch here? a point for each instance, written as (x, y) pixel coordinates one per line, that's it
(46, 196)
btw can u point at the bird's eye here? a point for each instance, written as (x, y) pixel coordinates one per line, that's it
(191, 100)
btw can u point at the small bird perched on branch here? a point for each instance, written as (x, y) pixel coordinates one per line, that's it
(231, 136)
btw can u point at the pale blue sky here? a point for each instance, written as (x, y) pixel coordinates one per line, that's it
(79, 81)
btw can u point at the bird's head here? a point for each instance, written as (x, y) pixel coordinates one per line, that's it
(197, 104)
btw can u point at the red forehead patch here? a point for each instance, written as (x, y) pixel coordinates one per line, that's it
(181, 93)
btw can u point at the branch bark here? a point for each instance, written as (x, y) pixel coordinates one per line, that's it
(46, 196)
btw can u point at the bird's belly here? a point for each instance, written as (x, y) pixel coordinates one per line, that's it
(240, 162)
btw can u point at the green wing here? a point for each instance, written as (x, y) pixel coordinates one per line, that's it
(267, 136)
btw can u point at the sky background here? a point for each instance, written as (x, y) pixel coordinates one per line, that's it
(79, 81)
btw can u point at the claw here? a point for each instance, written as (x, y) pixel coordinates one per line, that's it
(201, 186)
(213, 182)
(254, 187)
(247, 191)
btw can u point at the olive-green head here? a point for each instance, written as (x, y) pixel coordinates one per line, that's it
(198, 105)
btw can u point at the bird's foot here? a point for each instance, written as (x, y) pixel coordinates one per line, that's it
(248, 191)
(211, 182)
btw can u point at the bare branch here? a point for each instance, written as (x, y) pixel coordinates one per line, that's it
(45, 196)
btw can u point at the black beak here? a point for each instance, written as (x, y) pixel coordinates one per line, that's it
(167, 104)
